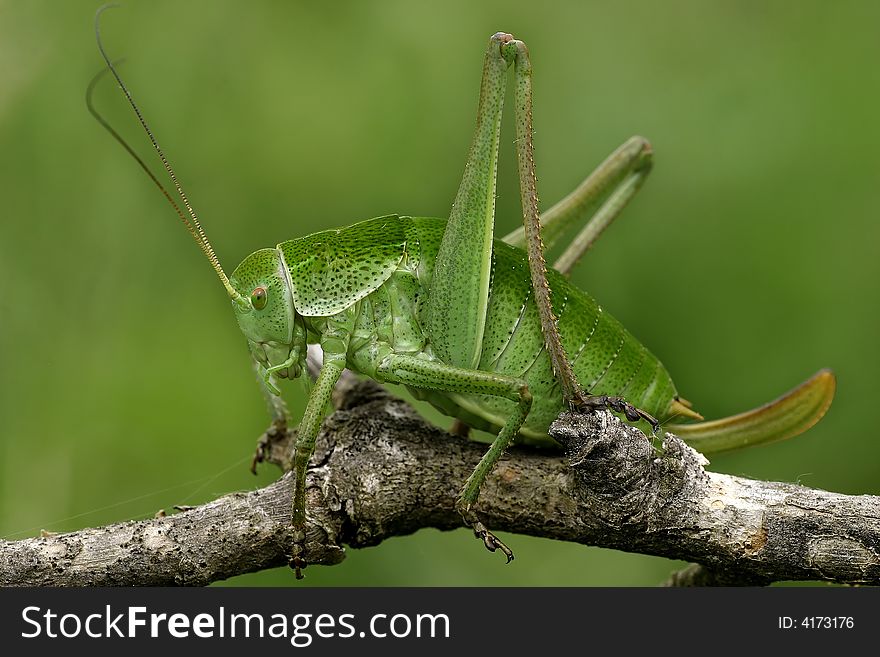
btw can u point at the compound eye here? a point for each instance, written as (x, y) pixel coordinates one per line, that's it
(259, 297)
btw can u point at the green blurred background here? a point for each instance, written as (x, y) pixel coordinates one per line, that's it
(748, 261)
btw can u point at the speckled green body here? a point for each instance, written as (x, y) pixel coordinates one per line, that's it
(364, 289)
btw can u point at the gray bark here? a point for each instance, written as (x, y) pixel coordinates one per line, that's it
(381, 471)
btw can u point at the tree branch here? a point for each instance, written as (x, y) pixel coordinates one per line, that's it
(381, 471)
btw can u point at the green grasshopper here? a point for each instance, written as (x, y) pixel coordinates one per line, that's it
(474, 325)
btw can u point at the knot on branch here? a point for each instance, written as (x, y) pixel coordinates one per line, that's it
(619, 470)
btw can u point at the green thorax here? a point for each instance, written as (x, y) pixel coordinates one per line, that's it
(334, 269)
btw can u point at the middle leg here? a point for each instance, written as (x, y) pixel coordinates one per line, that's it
(433, 375)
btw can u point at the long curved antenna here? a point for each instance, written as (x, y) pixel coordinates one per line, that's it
(121, 141)
(191, 222)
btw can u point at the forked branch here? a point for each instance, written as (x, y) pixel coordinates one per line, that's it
(381, 471)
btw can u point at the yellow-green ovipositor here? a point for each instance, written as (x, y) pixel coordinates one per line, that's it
(475, 325)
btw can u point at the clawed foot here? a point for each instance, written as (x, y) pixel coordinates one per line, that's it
(297, 564)
(296, 561)
(489, 539)
(619, 405)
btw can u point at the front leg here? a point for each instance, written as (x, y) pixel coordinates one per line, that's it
(280, 417)
(332, 368)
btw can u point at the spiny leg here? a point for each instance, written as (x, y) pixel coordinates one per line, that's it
(562, 368)
(599, 199)
(532, 225)
(421, 373)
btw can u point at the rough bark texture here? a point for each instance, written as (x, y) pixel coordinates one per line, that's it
(381, 471)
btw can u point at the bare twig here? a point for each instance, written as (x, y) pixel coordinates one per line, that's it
(381, 471)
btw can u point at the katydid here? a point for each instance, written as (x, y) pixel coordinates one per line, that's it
(472, 324)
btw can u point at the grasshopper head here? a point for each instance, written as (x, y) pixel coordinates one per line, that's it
(259, 287)
(275, 334)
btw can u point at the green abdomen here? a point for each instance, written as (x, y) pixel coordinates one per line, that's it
(607, 359)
